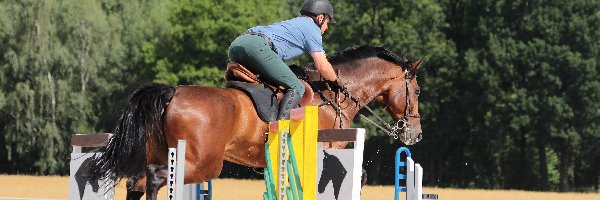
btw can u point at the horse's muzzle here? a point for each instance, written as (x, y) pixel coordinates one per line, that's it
(410, 135)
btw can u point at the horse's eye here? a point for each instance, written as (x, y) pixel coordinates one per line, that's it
(417, 92)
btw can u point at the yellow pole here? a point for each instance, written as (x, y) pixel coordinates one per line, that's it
(297, 133)
(304, 129)
(311, 131)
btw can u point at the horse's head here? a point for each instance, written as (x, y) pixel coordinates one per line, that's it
(401, 100)
(376, 74)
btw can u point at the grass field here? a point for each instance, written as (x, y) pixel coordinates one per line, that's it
(54, 187)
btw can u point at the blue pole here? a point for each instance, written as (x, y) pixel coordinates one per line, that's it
(198, 189)
(397, 175)
(209, 196)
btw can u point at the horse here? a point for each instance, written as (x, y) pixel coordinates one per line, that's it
(222, 124)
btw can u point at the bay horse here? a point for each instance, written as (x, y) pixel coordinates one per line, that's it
(222, 124)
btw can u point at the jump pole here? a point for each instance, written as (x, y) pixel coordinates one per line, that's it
(176, 190)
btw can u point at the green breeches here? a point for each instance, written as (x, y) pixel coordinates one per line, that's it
(254, 53)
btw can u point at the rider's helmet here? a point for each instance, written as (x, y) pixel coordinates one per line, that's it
(317, 7)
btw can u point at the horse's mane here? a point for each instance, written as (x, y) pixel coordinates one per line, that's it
(367, 51)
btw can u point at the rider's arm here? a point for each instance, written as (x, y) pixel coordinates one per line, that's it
(323, 65)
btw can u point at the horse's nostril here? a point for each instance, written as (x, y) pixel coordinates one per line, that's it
(420, 137)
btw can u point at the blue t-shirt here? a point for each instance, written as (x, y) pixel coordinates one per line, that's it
(293, 37)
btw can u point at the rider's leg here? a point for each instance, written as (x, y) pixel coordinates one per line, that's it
(289, 101)
(255, 54)
(283, 76)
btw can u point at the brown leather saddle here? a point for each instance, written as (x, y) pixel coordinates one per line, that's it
(237, 72)
(265, 96)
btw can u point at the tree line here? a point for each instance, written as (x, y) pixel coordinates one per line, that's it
(510, 89)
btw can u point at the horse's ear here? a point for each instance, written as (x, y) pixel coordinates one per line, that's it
(417, 64)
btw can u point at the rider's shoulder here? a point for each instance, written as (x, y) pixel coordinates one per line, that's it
(304, 23)
(299, 19)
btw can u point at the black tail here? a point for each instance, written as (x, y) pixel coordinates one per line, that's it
(125, 154)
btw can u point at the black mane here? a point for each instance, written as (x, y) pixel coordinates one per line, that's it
(367, 51)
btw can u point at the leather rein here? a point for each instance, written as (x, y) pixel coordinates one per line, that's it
(390, 130)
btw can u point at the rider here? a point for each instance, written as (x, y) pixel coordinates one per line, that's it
(264, 50)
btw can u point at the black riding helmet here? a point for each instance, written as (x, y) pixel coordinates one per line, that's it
(316, 7)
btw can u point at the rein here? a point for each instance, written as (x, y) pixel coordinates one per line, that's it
(390, 130)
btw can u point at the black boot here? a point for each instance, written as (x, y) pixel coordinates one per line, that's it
(290, 100)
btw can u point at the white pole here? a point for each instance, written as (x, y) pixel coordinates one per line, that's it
(181, 145)
(419, 181)
(359, 146)
(171, 178)
(411, 193)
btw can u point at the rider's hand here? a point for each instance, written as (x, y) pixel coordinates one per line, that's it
(341, 84)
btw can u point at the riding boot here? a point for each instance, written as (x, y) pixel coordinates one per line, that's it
(289, 101)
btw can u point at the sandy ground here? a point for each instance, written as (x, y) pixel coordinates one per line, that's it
(54, 187)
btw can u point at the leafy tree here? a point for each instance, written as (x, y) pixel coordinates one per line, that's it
(134, 26)
(48, 66)
(525, 71)
(60, 59)
(195, 50)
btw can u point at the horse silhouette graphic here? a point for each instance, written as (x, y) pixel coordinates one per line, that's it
(333, 171)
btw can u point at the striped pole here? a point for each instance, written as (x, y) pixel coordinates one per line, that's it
(171, 177)
(176, 171)
(181, 146)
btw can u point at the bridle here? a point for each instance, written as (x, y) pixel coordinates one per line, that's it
(401, 125)
(398, 126)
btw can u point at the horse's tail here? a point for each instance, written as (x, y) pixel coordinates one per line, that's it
(125, 154)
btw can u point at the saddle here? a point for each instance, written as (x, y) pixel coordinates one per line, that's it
(264, 96)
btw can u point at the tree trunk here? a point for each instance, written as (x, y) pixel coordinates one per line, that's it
(543, 161)
(565, 160)
(518, 180)
(52, 97)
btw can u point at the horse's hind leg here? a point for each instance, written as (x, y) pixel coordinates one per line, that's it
(136, 186)
(134, 195)
(156, 177)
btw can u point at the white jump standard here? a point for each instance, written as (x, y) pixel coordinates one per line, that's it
(176, 187)
(413, 178)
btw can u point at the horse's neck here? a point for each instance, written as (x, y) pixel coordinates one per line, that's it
(366, 79)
